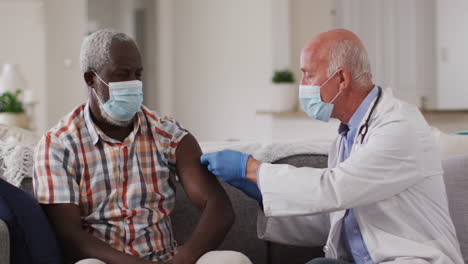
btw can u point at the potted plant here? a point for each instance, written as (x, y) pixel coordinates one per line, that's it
(11, 110)
(283, 91)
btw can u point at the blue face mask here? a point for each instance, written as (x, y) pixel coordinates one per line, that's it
(125, 99)
(312, 104)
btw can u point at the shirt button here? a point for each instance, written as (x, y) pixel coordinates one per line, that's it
(355, 231)
(366, 258)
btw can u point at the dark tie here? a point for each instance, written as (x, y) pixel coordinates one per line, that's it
(343, 129)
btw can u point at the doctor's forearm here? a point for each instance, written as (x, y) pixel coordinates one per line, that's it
(251, 170)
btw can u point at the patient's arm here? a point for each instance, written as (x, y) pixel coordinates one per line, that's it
(78, 244)
(206, 194)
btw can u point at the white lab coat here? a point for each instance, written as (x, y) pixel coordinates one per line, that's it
(393, 180)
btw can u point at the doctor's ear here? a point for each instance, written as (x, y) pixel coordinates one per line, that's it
(344, 79)
(89, 78)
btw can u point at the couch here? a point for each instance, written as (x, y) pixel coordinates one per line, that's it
(243, 235)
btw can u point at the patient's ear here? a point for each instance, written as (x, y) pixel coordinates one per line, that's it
(89, 78)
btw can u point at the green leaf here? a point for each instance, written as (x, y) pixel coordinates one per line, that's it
(285, 76)
(10, 103)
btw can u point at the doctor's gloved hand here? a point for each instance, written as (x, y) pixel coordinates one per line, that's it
(230, 166)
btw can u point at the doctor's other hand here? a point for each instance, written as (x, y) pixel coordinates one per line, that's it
(230, 167)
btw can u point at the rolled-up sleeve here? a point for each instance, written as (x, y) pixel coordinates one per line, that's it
(172, 134)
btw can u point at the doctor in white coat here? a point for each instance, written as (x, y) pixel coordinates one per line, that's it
(382, 198)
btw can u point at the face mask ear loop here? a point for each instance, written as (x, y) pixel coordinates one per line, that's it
(333, 100)
(325, 82)
(97, 96)
(99, 77)
(329, 78)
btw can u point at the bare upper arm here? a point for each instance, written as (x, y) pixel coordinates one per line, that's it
(199, 184)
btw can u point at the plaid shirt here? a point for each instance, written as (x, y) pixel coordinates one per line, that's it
(123, 189)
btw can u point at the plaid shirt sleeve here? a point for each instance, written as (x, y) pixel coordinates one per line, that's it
(54, 173)
(176, 133)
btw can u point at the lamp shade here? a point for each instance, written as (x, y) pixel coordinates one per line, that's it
(11, 79)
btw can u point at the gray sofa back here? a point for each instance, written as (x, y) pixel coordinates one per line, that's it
(243, 235)
(4, 243)
(456, 183)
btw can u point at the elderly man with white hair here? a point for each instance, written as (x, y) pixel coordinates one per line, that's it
(382, 198)
(103, 173)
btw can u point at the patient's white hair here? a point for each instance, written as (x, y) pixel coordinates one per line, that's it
(352, 57)
(95, 50)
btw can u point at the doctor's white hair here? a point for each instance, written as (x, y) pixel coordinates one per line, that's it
(349, 55)
(95, 49)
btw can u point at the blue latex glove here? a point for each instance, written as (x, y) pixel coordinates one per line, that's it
(230, 167)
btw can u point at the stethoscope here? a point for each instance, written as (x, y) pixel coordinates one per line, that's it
(365, 127)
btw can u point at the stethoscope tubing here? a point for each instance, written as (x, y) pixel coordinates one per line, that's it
(365, 127)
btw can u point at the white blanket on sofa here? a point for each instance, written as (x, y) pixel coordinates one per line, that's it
(17, 161)
(450, 144)
(270, 152)
(16, 154)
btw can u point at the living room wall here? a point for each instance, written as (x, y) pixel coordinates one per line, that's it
(43, 38)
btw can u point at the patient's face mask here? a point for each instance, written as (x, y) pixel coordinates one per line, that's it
(312, 104)
(125, 99)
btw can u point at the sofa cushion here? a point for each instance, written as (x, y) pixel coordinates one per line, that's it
(4, 243)
(456, 182)
(31, 237)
